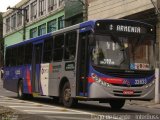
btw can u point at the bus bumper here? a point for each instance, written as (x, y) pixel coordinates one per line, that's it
(146, 92)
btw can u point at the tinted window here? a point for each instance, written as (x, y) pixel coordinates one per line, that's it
(58, 48)
(47, 52)
(70, 45)
(14, 56)
(20, 59)
(28, 54)
(8, 57)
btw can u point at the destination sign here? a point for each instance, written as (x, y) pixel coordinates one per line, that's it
(122, 26)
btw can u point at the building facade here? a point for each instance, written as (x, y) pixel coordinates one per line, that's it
(38, 17)
(117, 8)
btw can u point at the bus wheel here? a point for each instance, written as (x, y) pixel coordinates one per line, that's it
(20, 94)
(117, 104)
(67, 100)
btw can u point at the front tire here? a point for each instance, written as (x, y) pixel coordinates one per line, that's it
(67, 100)
(117, 104)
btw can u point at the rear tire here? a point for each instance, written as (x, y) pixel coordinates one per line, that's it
(117, 104)
(20, 93)
(67, 100)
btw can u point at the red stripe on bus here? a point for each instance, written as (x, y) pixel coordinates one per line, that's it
(29, 81)
(90, 80)
(113, 80)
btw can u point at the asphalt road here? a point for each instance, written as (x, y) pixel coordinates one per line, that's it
(44, 108)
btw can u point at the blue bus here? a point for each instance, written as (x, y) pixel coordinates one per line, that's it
(109, 61)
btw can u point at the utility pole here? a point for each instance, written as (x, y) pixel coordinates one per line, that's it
(85, 9)
(157, 87)
(23, 12)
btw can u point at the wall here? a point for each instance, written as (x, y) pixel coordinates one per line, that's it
(99, 9)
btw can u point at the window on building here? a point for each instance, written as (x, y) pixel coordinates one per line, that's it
(52, 5)
(19, 19)
(47, 52)
(42, 7)
(26, 14)
(33, 10)
(61, 2)
(70, 45)
(13, 21)
(61, 22)
(58, 48)
(33, 33)
(42, 29)
(51, 25)
(8, 24)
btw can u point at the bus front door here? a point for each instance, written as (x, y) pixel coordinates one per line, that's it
(36, 64)
(82, 65)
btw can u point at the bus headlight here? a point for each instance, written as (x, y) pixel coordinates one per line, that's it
(99, 80)
(150, 84)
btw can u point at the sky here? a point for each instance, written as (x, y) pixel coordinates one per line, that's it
(5, 3)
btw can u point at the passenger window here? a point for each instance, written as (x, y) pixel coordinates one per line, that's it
(28, 53)
(58, 47)
(70, 45)
(20, 58)
(8, 57)
(14, 56)
(47, 52)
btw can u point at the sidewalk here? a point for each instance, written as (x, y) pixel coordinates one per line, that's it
(147, 104)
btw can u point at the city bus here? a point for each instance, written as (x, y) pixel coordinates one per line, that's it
(109, 60)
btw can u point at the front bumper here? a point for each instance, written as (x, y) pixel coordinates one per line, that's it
(145, 92)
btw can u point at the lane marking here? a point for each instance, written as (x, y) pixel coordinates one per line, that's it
(16, 103)
(53, 112)
(35, 107)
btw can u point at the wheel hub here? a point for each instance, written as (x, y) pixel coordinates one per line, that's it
(67, 94)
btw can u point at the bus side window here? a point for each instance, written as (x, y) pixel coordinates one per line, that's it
(47, 51)
(14, 56)
(28, 54)
(70, 45)
(58, 47)
(20, 58)
(8, 57)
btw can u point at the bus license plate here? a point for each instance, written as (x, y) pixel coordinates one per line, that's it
(128, 92)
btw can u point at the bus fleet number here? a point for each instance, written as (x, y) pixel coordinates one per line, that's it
(140, 82)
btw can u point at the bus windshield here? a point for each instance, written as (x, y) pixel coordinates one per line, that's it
(123, 52)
